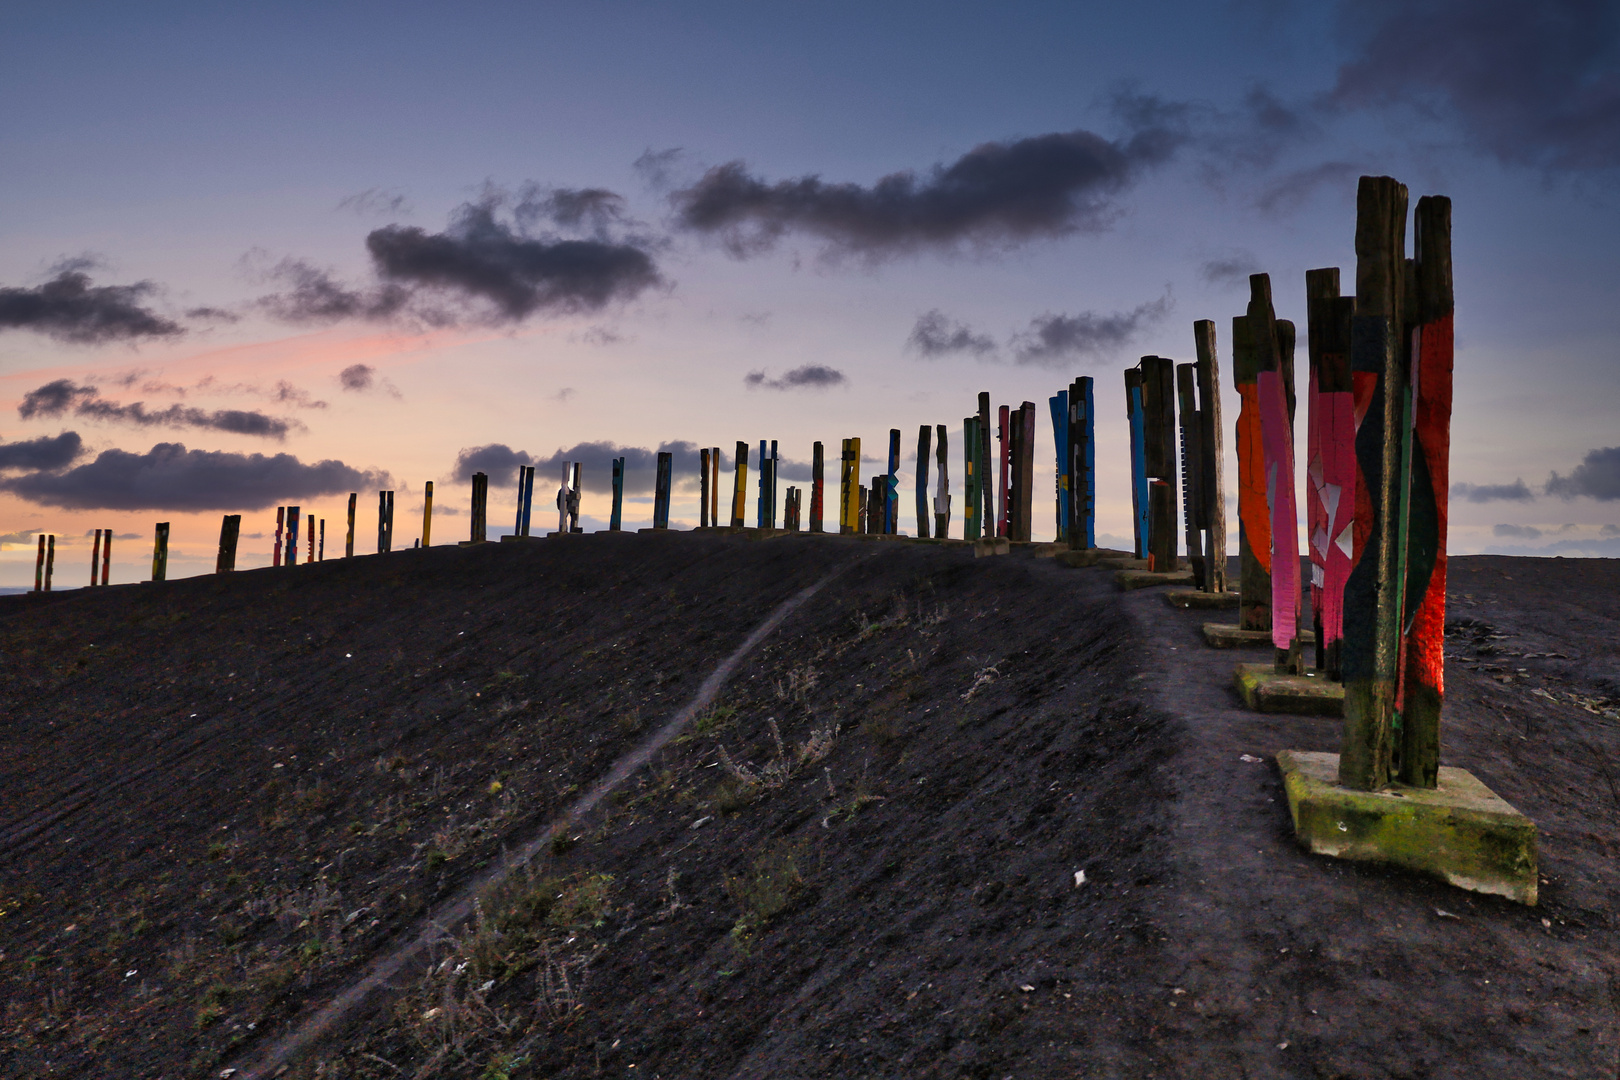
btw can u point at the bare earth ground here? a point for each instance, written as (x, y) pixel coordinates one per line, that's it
(221, 797)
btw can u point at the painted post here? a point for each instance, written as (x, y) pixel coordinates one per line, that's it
(850, 495)
(275, 555)
(739, 491)
(759, 495)
(348, 541)
(1139, 488)
(517, 522)
(50, 560)
(1013, 450)
(703, 488)
(385, 522)
(714, 486)
(891, 487)
(1026, 473)
(310, 557)
(818, 469)
(427, 513)
(576, 492)
(616, 518)
(1273, 344)
(1082, 464)
(1192, 468)
(924, 437)
(776, 470)
(1330, 463)
(974, 501)
(106, 556)
(39, 566)
(1001, 472)
(291, 550)
(981, 469)
(95, 555)
(1059, 405)
(1254, 519)
(562, 501)
(160, 552)
(942, 488)
(666, 466)
(1212, 487)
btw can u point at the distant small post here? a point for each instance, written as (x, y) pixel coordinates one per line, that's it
(851, 497)
(817, 484)
(1082, 465)
(739, 493)
(281, 515)
(942, 490)
(480, 507)
(50, 560)
(666, 469)
(292, 536)
(385, 522)
(616, 518)
(348, 543)
(760, 502)
(981, 469)
(1059, 404)
(106, 555)
(95, 558)
(526, 507)
(427, 513)
(39, 566)
(974, 504)
(924, 437)
(160, 553)
(229, 530)
(321, 553)
(703, 488)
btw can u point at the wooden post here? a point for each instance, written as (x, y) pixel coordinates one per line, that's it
(517, 522)
(1273, 344)
(889, 519)
(1059, 406)
(1212, 487)
(942, 486)
(973, 508)
(1082, 464)
(1159, 439)
(1330, 460)
(229, 530)
(50, 560)
(348, 540)
(479, 531)
(275, 555)
(576, 492)
(759, 494)
(739, 492)
(981, 469)
(1192, 469)
(817, 486)
(714, 486)
(616, 518)
(562, 501)
(39, 566)
(850, 495)
(294, 521)
(320, 555)
(999, 511)
(160, 552)
(666, 466)
(95, 558)
(1013, 448)
(1139, 488)
(310, 556)
(703, 488)
(1370, 654)
(106, 555)
(924, 438)
(1026, 483)
(776, 467)
(1161, 525)
(1254, 518)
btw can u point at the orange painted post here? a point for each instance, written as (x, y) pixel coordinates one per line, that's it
(427, 513)
(281, 516)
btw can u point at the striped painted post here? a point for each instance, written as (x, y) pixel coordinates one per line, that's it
(310, 555)
(281, 515)
(1192, 468)
(973, 510)
(320, 554)
(293, 523)
(891, 486)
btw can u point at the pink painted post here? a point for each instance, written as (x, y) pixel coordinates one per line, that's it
(1002, 416)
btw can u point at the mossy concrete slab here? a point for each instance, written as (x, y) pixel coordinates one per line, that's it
(991, 545)
(1147, 579)
(1200, 600)
(1460, 832)
(1082, 557)
(1263, 690)
(1231, 636)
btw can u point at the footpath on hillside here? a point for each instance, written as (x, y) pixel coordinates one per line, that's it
(954, 817)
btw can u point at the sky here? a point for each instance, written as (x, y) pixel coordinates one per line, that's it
(255, 255)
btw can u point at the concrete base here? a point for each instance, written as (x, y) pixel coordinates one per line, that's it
(1147, 579)
(1200, 600)
(1082, 557)
(1461, 832)
(1263, 690)
(1124, 561)
(994, 545)
(1229, 636)
(521, 539)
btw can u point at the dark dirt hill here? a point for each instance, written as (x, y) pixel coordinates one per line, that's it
(222, 798)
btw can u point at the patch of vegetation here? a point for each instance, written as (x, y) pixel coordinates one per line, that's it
(715, 720)
(771, 886)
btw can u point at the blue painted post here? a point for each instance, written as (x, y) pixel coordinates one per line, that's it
(1135, 413)
(1083, 463)
(614, 522)
(1060, 441)
(759, 504)
(891, 486)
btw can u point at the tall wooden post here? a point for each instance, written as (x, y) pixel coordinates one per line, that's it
(759, 495)
(850, 495)
(1254, 518)
(1273, 345)
(1082, 441)
(275, 554)
(160, 552)
(1370, 655)
(1192, 464)
(973, 501)
(576, 492)
(1212, 486)
(1159, 442)
(666, 467)
(925, 437)
(294, 521)
(818, 467)
(106, 555)
(1059, 405)
(50, 560)
(95, 556)
(427, 513)
(480, 507)
(310, 528)
(320, 555)
(348, 540)
(39, 566)
(1139, 489)
(616, 516)
(1161, 525)
(517, 522)
(385, 522)
(1330, 467)
(1026, 473)
(942, 488)
(739, 492)
(703, 488)
(714, 486)
(891, 486)
(1013, 447)
(1001, 472)
(982, 469)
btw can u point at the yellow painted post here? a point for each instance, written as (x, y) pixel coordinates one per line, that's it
(427, 513)
(160, 552)
(739, 496)
(849, 487)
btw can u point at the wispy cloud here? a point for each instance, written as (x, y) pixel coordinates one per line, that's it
(807, 377)
(61, 396)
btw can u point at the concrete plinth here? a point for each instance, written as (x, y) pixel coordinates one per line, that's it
(1461, 832)
(1122, 562)
(1229, 636)
(1263, 690)
(1199, 600)
(1082, 557)
(1147, 579)
(992, 545)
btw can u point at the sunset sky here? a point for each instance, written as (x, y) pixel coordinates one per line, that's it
(264, 254)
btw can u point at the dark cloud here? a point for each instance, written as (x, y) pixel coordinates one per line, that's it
(357, 377)
(497, 461)
(1522, 532)
(58, 397)
(1596, 477)
(212, 314)
(1289, 192)
(170, 477)
(69, 308)
(936, 335)
(596, 211)
(807, 377)
(313, 295)
(997, 194)
(1484, 493)
(46, 452)
(1535, 84)
(1609, 530)
(596, 460)
(1230, 271)
(1054, 339)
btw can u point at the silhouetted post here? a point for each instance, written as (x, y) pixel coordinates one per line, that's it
(1212, 486)
(770, 490)
(229, 530)
(320, 555)
(714, 486)
(924, 438)
(39, 566)
(1192, 468)
(427, 514)
(973, 511)
(1139, 476)
(1025, 489)
(739, 491)
(479, 531)
(1059, 405)
(616, 519)
(1001, 472)
(348, 540)
(666, 466)
(50, 560)
(528, 500)
(275, 555)
(889, 512)
(981, 469)
(106, 555)
(293, 523)
(759, 499)
(703, 488)
(851, 497)
(385, 522)
(95, 559)
(576, 492)
(1254, 519)
(1159, 443)
(160, 552)
(817, 486)
(1082, 465)
(310, 528)
(562, 502)
(942, 485)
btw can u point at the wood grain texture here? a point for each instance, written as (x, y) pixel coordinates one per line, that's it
(942, 485)
(1212, 439)
(1192, 468)
(925, 435)
(1139, 477)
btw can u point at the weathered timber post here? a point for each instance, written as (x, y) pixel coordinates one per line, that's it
(851, 498)
(348, 541)
(1212, 489)
(39, 566)
(1192, 468)
(1139, 489)
(385, 522)
(1059, 405)
(1082, 442)
(479, 531)
(1159, 443)
(310, 556)
(616, 517)
(818, 471)
(739, 492)
(924, 437)
(1161, 525)
(1013, 450)
(229, 530)
(50, 560)
(517, 523)
(703, 488)
(714, 486)
(981, 469)
(576, 492)
(95, 557)
(891, 487)
(973, 510)
(320, 555)
(1026, 474)
(160, 552)
(942, 488)
(1330, 463)
(1254, 518)
(294, 521)
(1371, 654)
(281, 515)
(562, 501)
(427, 513)
(1273, 343)
(1001, 472)
(759, 499)
(106, 556)
(666, 469)
(776, 471)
